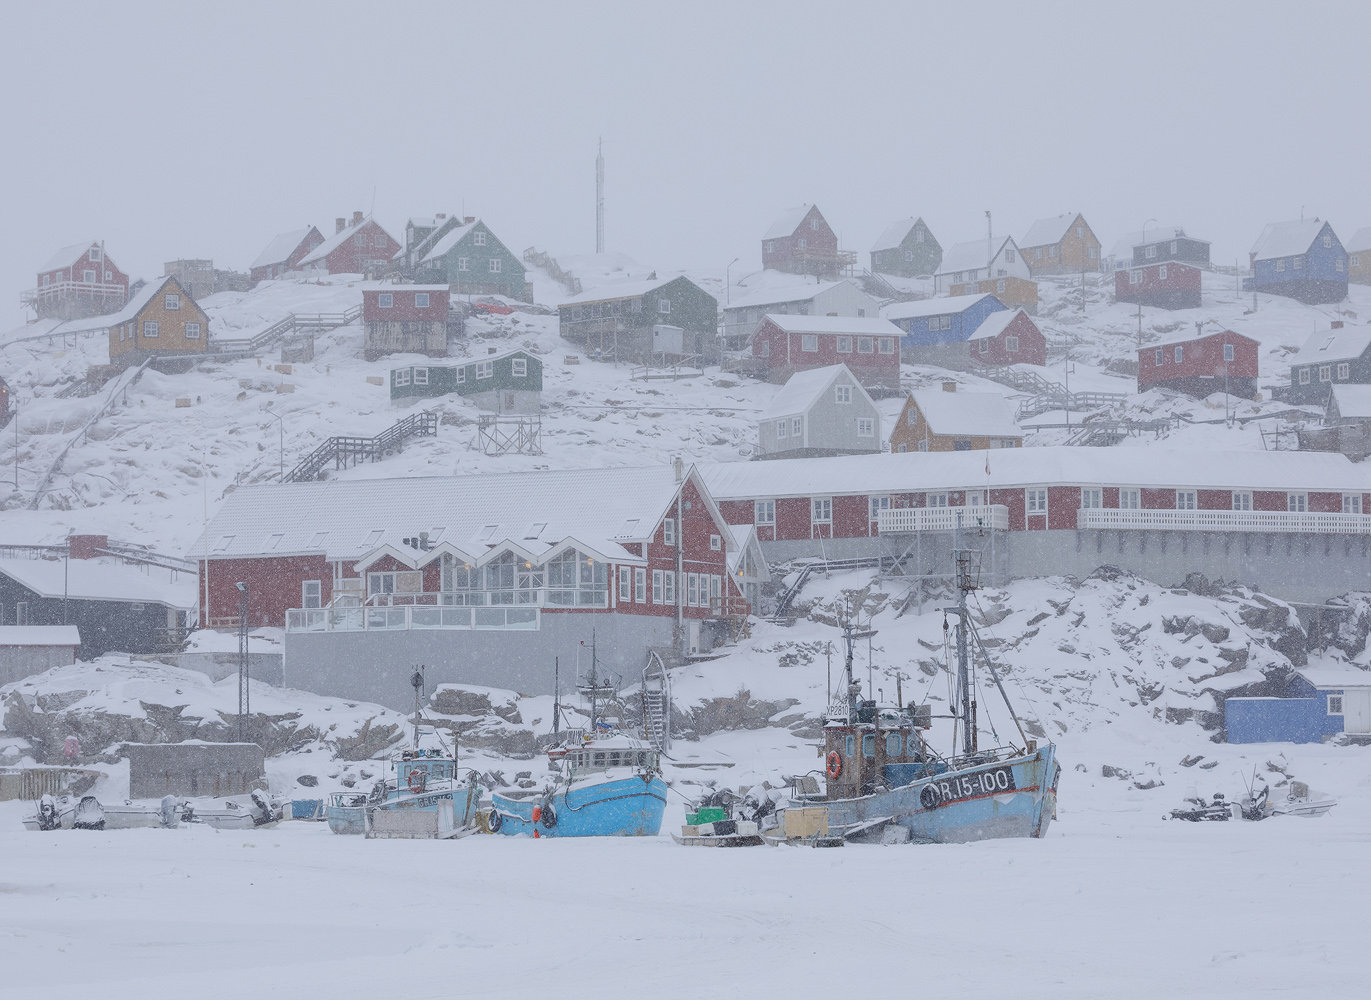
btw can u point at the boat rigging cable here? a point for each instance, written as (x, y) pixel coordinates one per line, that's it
(1037, 716)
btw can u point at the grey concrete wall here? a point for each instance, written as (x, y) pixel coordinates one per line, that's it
(217, 769)
(265, 667)
(376, 666)
(18, 662)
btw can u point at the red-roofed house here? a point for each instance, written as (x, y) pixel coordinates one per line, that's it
(285, 252)
(357, 247)
(802, 242)
(78, 281)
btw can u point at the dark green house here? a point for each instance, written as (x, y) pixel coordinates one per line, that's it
(616, 321)
(500, 383)
(907, 249)
(471, 260)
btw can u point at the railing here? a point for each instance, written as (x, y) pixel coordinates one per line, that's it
(1061, 400)
(47, 293)
(903, 520)
(1225, 520)
(312, 322)
(541, 597)
(346, 452)
(390, 619)
(546, 261)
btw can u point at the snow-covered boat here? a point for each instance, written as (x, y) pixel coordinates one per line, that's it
(1301, 800)
(129, 815)
(347, 811)
(882, 775)
(55, 812)
(230, 814)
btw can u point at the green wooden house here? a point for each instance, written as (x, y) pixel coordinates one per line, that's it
(471, 260)
(617, 320)
(907, 249)
(501, 383)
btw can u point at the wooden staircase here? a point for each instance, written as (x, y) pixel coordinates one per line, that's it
(345, 452)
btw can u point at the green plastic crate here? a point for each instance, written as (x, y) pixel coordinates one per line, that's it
(712, 814)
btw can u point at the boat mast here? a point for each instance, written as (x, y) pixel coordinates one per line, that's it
(416, 682)
(966, 702)
(854, 687)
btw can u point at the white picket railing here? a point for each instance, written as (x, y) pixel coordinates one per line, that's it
(903, 520)
(1225, 520)
(384, 619)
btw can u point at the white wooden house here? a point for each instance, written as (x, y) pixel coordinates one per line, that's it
(824, 298)
(820, 412)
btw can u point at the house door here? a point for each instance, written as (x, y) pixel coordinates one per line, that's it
(1356, 707)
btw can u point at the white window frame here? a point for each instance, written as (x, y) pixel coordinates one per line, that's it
(842, 394)
(1161, 273)
(866, 427)
(935, 499)
(478, 239)
(421, 300)
(1298, 262)
(809, 342)
(1325, 373)
(764, 512)
(1130, 498)
(865, 345)
(1150, 252)
(1011, 344)
(797, 427)
(1337, 264)
(999, 286)
(192, 330)
(782, 428)
(1280, 264)
(1187, 500)
(461, 374)
(814, 225)
(657, 592)
(421, 376)
(1242, 499)
(151, 329)
(1092, 497)
(1035, 501)
(625, 584)
(1161, 357)
(385, 300)
(1180, 354)
(669, 585)
(464, 263)
(821, 510)
(1229, 354)
(402, 377)
(494, 265)
(1304, 376)
(305, 587)
(1344, 371)
(1351, 503)
(877, 504)
(519, 367)
(692, 590)
(94, 255)
(171, 301)
(844, 345)
(1335, 704)
(1135, 277)
(984, 345)
(639, 586)
(485, 369)
(1297, 503)
(669, 531)
(716, 543)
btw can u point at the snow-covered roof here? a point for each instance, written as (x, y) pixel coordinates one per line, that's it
(278, 251)
(969, 256)
(932, 307)
(861, 325)
(894, 236)
(68, 256)
(348, 520)
(788, 222)
(1046, 231)
(803, 388)
(914, 472)
(1334, 345)
(994, 324)
(449, 239)
(100, 580)
(975, 414)
(1153, 234)
(132, 308)
(784, 296)
(744, 536)
(1286, 239)
(1335, 674)
(336, 240)
(629, 289)
(39, 635)
(1353, 401)
(1360, 241)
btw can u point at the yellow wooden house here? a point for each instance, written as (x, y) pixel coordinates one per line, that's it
(160, 321)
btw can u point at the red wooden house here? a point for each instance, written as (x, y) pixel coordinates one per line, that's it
(1198, 366)
(357, 247)
(285, 252)
(870, 347)
(78, 281)
(802, 242)
(1166, 286)
(1007, 338)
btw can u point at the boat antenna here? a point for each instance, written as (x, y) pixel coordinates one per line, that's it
(854, 688)
(417, 682)
(556, 696)
(966, 703)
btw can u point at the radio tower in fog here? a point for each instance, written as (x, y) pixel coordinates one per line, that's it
(600, 198)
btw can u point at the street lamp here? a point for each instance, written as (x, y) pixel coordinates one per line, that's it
(1144, 239)
(281, 443)
(728, 288)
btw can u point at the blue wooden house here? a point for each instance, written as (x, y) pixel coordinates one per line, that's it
(1321, 701)
(1301, 260)
(928, 322)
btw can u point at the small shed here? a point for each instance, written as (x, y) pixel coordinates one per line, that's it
(1322, 700)
(1007, 337)
(820, 412)
(406, 319)
(1165, 286)
(26, 650)
(1198, 366)
(194, 768)
(1015, 293)
(906, 249)
(949, 420)
(1338, 355)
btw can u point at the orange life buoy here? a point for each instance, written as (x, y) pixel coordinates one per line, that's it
(418, 780)
(835, 764)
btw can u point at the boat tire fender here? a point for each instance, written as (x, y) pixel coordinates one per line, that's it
(835, 764)
(549, 817)
(495, 821)
(928, 797)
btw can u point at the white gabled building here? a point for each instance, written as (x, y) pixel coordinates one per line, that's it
(824, 298)
(974, 261)
(820, 412)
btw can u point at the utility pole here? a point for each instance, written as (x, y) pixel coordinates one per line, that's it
(281, 443)
(989, 247)
(243, 701)
(600, 198)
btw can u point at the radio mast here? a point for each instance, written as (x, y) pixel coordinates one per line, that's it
(600, 198)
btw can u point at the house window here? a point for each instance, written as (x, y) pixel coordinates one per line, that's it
(918, 238)
(1011, 344)
(864, 345)
(1335, 704)
(669, 531)
(1130, 499)
(1036, 501)
(770, 246)
(94, 255)
(657, 586)
(494, 265)
(823, 510)
(1297, 503)
(1179, 353)
(809, 342)
(1150, 252)
(909, 255)
(1008, 259)
(1135, 277)
(385, 300)
(879, 504)
(21, 613)
(1052, 252)
(1161, 273)
(669, 583)
(886, 345)
(764, 512)
(1160, 357)
(985, 345)
(866, 427)
(88, 277)
(844, 345)
(1299, 263)
(1080, 232)
(693, 589)
(461, 375)
(1185, 499)
(1337, 265)
(171, 301)
(311, 594)
(973, 498)
(463, 263)
(478, 239)
(150, 328)
(1037, 253)
(485, 369)
(1173, 246)
(626, 584)
(797, 426)
(782, 428)
(1325, 373)
(1344, 371)
(814, 225)
(1280, 265)
(923, 445)
(842, 393)
(715, 543)
(1354, 260)
(574, 579)
(1228, 352)
(1242, 500)
(1304, 376)
(802, 243)
(937, 499)
(640, 586)
(1327, 241)
(520, 367)
(192, 331)
(1351, 503)
(402, 376)
(421, 300)
(999, 286)
(421, 376)
(1091, 497)
(861, 313)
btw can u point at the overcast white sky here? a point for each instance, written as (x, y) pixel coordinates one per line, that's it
(203, 130)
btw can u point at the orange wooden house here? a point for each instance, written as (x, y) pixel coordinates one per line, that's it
(160, 321)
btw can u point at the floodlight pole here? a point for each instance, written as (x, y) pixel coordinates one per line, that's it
(243, 701)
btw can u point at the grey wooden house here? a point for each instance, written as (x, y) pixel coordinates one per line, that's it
(1339, 356)
(820, 412)
(501, 383)
(906, 248)
(615, 321)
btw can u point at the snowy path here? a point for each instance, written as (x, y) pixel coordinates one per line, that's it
(1110, 905)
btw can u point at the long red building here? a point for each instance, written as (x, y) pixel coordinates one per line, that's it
(1199, 366)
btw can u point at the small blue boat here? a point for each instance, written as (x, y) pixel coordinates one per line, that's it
(347, 812)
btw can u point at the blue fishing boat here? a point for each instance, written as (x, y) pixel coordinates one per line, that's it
(884, 781)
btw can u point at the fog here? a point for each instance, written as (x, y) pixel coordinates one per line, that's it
(174, 130)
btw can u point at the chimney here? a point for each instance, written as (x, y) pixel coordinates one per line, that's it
(949, 387)
(491, 350)
(340, 223)
(1335, 325)
(468, 220)
(441, 215)
(679, 467)
(356, 218)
